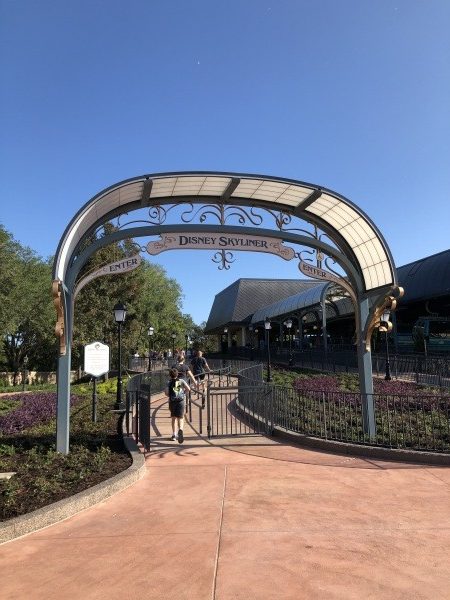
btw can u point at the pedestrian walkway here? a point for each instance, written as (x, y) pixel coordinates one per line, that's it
(246, 518)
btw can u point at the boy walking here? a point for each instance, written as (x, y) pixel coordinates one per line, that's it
(176, 391)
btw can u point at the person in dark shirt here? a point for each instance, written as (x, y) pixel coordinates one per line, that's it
(176, 391)
(183, 369)
(200, 367)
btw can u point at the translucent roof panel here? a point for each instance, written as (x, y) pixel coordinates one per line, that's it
(360, 235)
(375, 263)
(271, 191)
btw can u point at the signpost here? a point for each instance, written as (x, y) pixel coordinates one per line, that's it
(116, 268)
(319, 273)
(96, 363)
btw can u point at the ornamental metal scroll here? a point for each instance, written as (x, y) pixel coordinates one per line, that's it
(220, 214)
(383, 303)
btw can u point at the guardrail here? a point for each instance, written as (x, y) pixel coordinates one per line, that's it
(427, 370)
(415, 422)
(140, 388)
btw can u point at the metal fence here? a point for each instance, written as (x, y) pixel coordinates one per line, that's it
(418, 422)
(241, 402)
(137, 406)
(426, 370)
(142, 386)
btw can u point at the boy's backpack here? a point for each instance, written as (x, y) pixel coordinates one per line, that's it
(176, 390)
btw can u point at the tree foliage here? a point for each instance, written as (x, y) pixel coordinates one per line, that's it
(27, 314)
(27, 317)
(151, 297)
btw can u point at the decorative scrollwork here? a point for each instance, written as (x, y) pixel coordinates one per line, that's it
(223, 259)
(157, 214)
(222, 214)
(190, 212)
(283, 219)
(327, 261)
(136, 247)
(300, 255)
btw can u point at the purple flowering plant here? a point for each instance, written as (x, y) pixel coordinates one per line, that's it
(32, 409)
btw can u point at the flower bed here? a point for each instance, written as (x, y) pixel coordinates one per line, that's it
(27, 447)
(330, 406)
(32, 409)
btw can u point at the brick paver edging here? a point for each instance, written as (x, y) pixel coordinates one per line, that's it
(58, 511)
(365, 451)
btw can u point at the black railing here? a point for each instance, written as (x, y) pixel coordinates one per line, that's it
(137, 407)
(141, 387)
(417, 422)
(431, 371)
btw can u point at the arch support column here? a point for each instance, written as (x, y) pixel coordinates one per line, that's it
(365, 371)
(63, 382)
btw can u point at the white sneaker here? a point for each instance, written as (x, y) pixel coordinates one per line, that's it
(174, 438)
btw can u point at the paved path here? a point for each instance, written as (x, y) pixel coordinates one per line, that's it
(247, 518)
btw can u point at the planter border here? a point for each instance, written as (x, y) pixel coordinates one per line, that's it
(67, 507)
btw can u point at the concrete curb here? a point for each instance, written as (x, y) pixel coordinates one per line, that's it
(374, 452)
(58, 511)
(347, 448)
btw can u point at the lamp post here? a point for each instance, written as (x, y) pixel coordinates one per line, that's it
(225, 332)
(250, 328)
(24, 374)
(288, 324)
(384, 327)
(150, 332)
(186, 343)
(174, 335)
(267, 327)
(120, 313)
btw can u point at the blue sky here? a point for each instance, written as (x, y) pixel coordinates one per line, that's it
(353, 95)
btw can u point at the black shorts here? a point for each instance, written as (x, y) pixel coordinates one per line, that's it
(200, 377)
(177, 408)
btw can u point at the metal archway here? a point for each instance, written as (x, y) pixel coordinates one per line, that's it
(352, 241)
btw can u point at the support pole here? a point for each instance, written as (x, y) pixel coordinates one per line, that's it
(365, 371)
(300, 331)
(324, 326)
(94, 401)
(63, 384)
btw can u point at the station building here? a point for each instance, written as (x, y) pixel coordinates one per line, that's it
(322, 316)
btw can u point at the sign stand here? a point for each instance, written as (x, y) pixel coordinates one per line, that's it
(96, 363)
(94, 401)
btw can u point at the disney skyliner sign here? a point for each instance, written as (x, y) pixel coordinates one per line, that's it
(200, 241)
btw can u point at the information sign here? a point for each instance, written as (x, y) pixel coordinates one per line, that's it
(96, 359)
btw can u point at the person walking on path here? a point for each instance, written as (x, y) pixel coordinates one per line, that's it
(183, 369)
(176, 391)
(200, 367)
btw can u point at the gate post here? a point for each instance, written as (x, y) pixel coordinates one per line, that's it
(208, 409)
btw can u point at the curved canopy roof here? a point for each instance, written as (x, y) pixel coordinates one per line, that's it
(294, 303)
(344, 222)
(237, 302)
